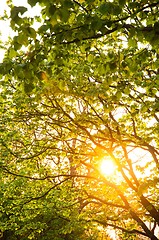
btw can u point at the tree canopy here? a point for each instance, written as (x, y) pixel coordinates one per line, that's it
(79, 84)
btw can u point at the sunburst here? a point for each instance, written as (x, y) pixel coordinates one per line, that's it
(107, 167)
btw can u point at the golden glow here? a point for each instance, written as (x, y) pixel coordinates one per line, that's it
(107, 167)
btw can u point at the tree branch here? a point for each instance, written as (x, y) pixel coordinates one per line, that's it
(104, 223)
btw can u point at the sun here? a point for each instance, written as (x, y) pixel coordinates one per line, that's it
(107, 167)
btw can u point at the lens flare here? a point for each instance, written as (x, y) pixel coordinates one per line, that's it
(107, 167)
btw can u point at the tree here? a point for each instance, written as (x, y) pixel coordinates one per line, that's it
(81, 86)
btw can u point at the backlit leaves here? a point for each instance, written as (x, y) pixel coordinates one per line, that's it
(80, 85)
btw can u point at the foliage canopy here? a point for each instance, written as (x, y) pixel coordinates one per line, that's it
(79, 82)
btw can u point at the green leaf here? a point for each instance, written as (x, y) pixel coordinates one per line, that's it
(12, 53)
(90, 58)
(32, 2)
(64, 14)
(32, 32)
(43, 28)
(122, 2)
(105, 8)
(16, 10)
(28, 87)
(52, 9)
(110, 8)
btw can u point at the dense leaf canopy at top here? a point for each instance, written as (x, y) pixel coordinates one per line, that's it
(79, 82)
